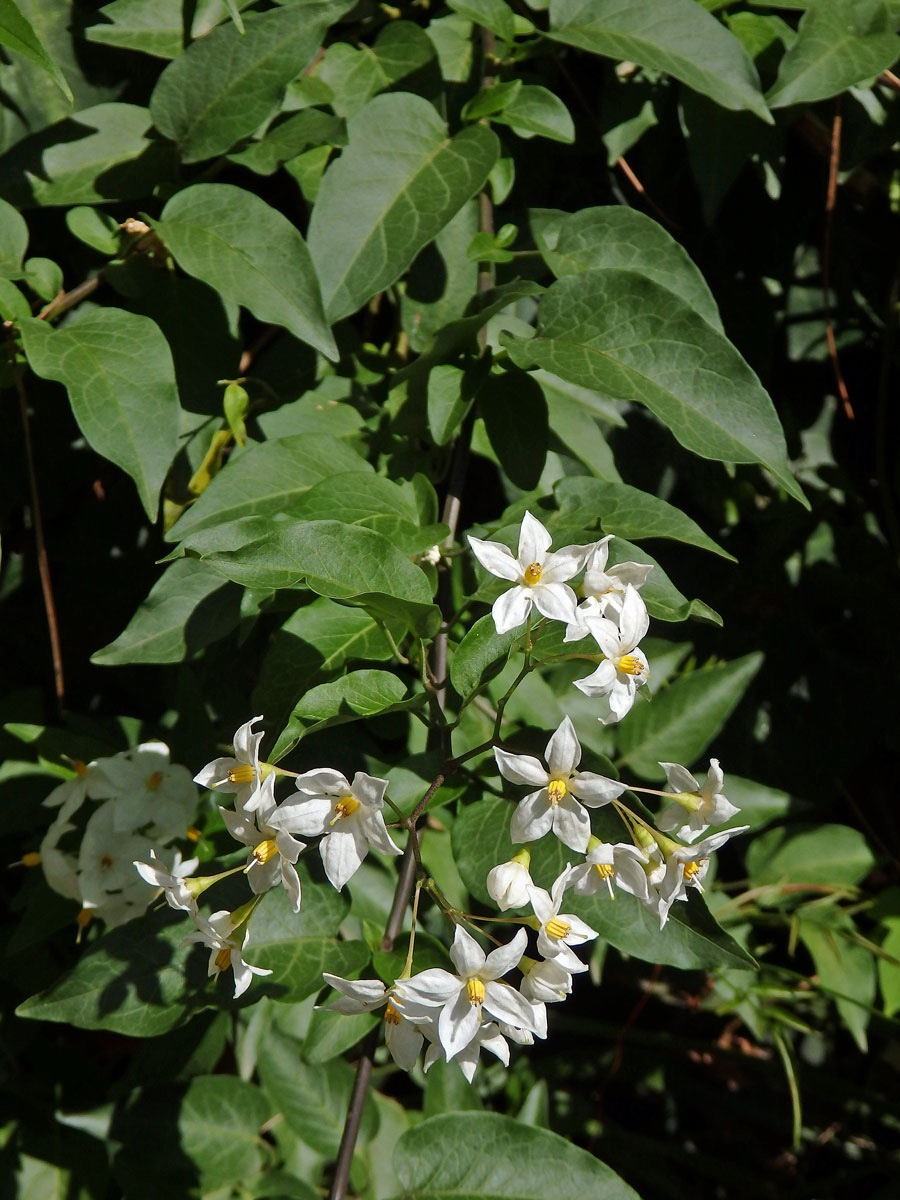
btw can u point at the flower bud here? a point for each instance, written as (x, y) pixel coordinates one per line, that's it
(546, 982)
(509, 882)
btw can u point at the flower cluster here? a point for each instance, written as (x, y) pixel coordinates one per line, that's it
(140, 801)
(456, 1015)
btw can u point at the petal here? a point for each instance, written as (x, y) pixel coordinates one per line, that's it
(404, 1041)
(631, 572)
(596, 563)
(291, 881)
(376, 832)
(434, 986)
(599, 682)
(534, 541)
(496, 559)
(504, 958)
(502, 1001)
(594, 790)
(556, 601)
(322, 782)
(215, 774)
(493, 1040)
(246, 742)
(370, 992)
(511, 609)
(571, 824)
(679, 779)
(368, 789)
(458, 1024)
(563, 564)
(307, 815)
(468, 957)
(532, 819)
(563, 752)
(240, 827)
(288, 847)
(670, 817)
(342, 854)
(521, 768)
(579, 931)
(634, 620)
(541, 904)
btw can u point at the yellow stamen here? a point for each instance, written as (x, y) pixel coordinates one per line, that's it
(154, 780)
(223, 958)
(79, 767)
(192, 833)
(605, 870)
(557, 929)
(475, 991)
(265, 850)
(242, 773)
(630, 665)
(391, 1015)
(84, 918)
(556, 789)
(690, 870)
(345, 807)
(533, 573)
(31, 859)
(106, 861)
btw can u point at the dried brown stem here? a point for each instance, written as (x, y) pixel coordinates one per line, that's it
(830, 200)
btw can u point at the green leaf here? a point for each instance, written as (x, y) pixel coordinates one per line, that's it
(483, 1156)
(373, 502)
(95, 229)
(330, 1033)
(13, 305)
(345, 562)
(312, 127)
(448, 401)
(13, 241)
(691, 938)
(219, 1124)
(398, 183)
(312, 1099)
(227, 84)
(356, 74)
(491, 100)
(839, 43)
(298, 947)
(844, 968)
(629, 512)
(156, 28)
(118, 371)
(353, 697)
(43, 276)
(97, 154)
(482, 654)
(677, 37)
(830, 854)
(623, 335)
(250, 253)
(265, 479)
(684, 718)
(17, 34)
(514, 411)
(620, 237)
(189, 607)
(441, 281)
(135, 980)
(536, 110)
(315, 641)
(495, 15)
(758, 803)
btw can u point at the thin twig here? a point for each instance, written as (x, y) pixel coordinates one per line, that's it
(830, 199)
(59, 682)
(63, 301)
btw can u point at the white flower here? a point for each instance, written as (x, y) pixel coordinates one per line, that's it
(548, 981)
(643, 879)
(60, 867)
(69, 796)
(508, 882)
(241, 774)
(540, 577)
(218, 932)
(274, 852)
(559, 931)
(487, 1037)
(625, 667)
(604, 590)
(477, 988)
(555, 805)
(602, 866)
(348, 814)
(406, 1018)
(106, 860)
(171, 881)
(704, 804)
(148, 790)
(686, 866)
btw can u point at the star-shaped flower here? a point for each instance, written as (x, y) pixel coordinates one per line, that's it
(406, 1018)
(686, 866)
(602, 866)
(241, 774)
(540, 576)
(559, 931)
(220, 933)
(274, 851)
(555, 805)
(703, 804)
(604, 589)
(171, 880)
(350, 816)
(148, 790)
(476, 989)
(625, 668)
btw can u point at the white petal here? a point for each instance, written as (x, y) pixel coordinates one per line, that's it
(496, 559)
(307, 815)
(563, 750)
(532, 819)
(246, 742)
(594, 790)
(376, 832)
(342, 852)
(291, 881)
(215, 773)
(511, 609)
(679, 779)
(571, 824)
(468, 957)
(404, 1041)
(241, 828)
(367, 993)
(458, 1024)
(322, 782)
(368, 789)
(556, 601)
(434, 986)
(502, 1001)
(631, 572)
(521, 768)
(599, 682)
(634, 620)
(504, 958)
(541, 903)
(563, 564)
(534, 541)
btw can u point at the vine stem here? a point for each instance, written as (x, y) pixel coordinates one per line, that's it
(438, 672)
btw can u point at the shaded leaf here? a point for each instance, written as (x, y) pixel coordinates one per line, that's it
(17, 34)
